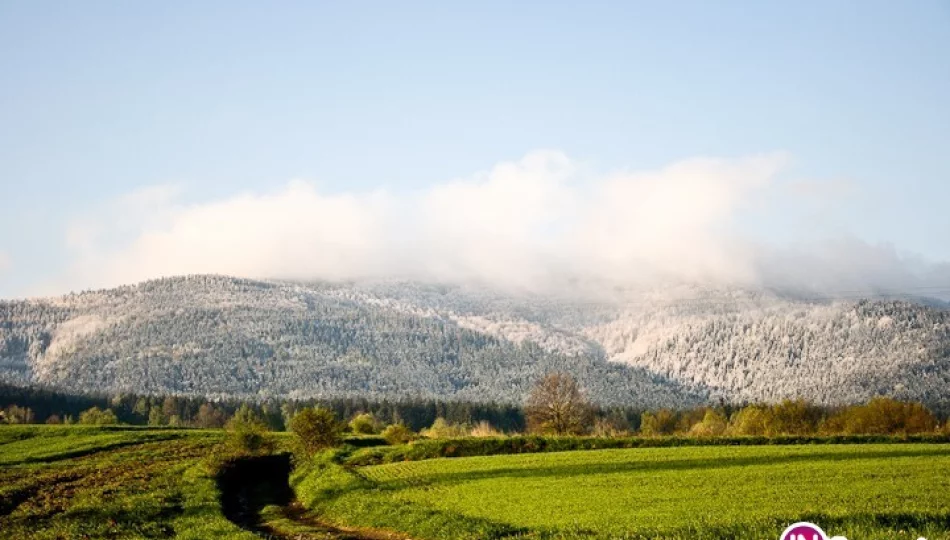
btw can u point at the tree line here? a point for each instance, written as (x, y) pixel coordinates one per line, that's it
(557, 405)
(34, 404)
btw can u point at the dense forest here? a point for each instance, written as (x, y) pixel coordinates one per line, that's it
(221, 337)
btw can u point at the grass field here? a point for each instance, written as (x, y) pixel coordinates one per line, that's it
(862, 492)
(87, 482)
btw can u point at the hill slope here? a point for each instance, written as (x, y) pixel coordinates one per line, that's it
(218, 335)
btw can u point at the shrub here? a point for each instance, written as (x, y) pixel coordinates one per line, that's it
(442, 429)
(484, 429)
(661, 423)
(713, 424)
(15, 414)
(398, 434)
(881, 416)
(685, 420)
(316, 428)
(794, 418)
(98, 417)
(487, 446)
(364, 441)
(753, 420)
(364, 424)
(247, 433)
(612, 423)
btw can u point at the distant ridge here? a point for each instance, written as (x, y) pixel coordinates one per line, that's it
(217, 335)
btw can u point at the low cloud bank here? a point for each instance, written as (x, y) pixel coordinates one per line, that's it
(528, 224)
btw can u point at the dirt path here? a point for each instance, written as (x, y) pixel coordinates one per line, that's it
(297, 523)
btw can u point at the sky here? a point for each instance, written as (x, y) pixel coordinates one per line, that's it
(800, 143)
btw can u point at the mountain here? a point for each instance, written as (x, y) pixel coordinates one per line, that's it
(676, 346)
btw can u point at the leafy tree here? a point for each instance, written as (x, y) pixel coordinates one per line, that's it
(713, 424)
(287, 411)
(882, 416)
(752, 420)
(398, 434)
(364, 424)
(794, 418)
(557, 405)
(209, 416)
(273, 416)
(14, 414)
(663, 422)
(98, 417)
(649, 426)
(248, 433)
(316, 428)
(616, 421)
(442, 429)
(245, 414)
(155, 417)
(141, 408)
(170, 407)
(685, 420)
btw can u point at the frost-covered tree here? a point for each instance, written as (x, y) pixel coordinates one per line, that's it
(670, 348)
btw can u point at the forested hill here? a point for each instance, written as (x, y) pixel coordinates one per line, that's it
(211, 335)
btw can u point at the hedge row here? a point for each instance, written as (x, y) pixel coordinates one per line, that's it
(489, 446)
(364, 441)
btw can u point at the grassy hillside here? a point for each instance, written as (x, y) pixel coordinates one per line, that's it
(869, 492)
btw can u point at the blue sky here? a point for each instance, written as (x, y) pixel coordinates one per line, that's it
(102, 99)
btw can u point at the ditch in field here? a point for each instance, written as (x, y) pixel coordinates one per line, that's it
(252, 487)
(248, 485)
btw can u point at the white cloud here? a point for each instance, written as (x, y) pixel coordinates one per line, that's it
(520, 224)
(296, 232)
(121, 220)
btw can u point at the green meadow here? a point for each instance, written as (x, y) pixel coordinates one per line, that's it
(97, 482)
(109, 482)
(873, 491)
(860, 491)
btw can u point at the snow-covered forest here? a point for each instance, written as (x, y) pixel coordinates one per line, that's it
(674, 347)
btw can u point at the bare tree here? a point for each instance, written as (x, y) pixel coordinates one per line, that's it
(557, 405)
